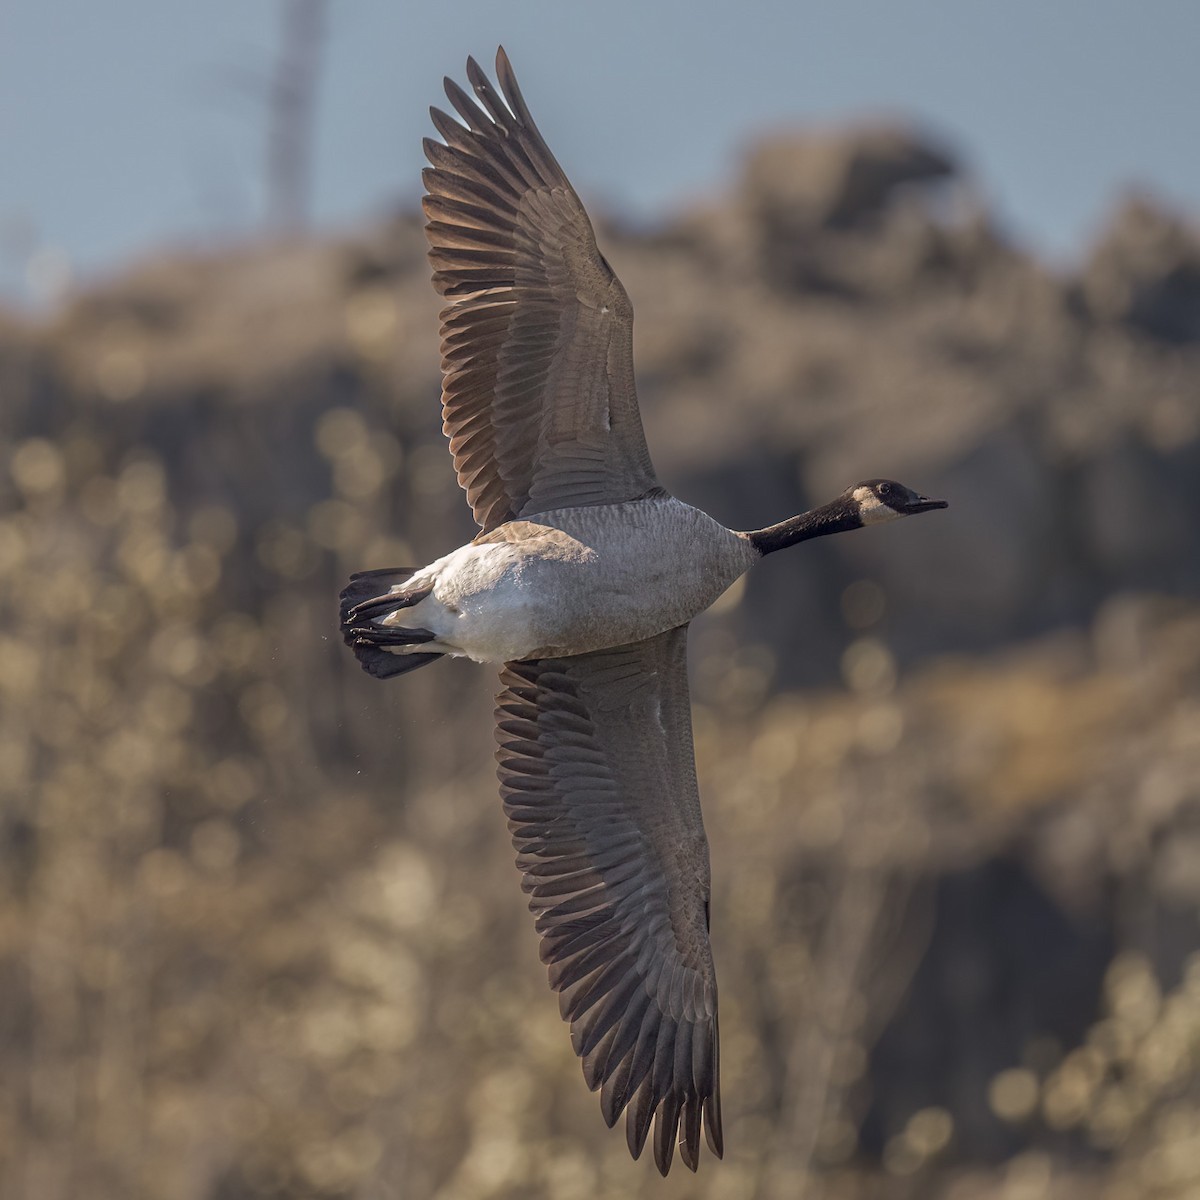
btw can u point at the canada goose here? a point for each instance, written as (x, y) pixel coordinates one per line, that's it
(582, 582)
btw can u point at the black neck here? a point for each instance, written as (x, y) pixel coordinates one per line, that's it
(835, 517)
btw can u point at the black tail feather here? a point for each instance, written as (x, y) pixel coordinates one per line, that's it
(371, 585)
(368, 595)
(378, 606)
(383, 664)
(386, 635)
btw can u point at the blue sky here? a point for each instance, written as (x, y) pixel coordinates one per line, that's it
(126, 125)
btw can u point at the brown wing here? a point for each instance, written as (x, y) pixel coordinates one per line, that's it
(538, 398)
(599, 783)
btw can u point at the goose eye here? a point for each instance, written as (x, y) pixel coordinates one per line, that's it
(885, 489)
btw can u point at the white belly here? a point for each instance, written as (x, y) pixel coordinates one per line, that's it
(576, 580)
(482, 604)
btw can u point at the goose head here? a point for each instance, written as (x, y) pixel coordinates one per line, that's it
(868, 503)
(877, 500)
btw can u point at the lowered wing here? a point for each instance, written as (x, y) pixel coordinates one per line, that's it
(598, 779)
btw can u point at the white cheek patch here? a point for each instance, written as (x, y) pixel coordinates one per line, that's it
(871, 509)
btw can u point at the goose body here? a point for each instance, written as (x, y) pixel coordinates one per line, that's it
(582, 582)
(576, 580)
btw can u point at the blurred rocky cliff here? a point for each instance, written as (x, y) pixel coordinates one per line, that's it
(259, 929)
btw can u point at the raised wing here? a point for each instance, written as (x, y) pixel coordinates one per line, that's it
(538, 397)
(599, 783)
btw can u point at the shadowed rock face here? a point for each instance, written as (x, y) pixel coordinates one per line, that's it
(1145, 273)
(306, 903)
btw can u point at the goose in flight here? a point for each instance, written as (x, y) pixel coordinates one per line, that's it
(581, 582)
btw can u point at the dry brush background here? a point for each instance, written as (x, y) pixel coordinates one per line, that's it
(260, 933)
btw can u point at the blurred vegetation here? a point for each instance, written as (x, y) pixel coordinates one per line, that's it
(260, 934)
